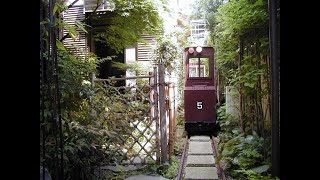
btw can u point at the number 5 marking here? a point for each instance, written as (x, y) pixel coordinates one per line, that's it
(199, 105)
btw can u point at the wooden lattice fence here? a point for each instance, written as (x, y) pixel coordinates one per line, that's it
(137, 137)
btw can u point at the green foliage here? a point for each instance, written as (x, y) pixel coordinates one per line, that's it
(252, 175)
(244, 154)
(92, 118)
(227, 122)
(178, 65)
(123, 174)
(240, 36)
(239, 33)
(205, 9)
(167, 171)
(180, 115)
(173, 169)
(75, 85)
(73, 30)
(240, 17)
(130, 20)
(166, 53)
(83, 135)
(236, 21)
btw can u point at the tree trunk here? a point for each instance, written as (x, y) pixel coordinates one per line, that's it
(240, 88)
(259, 92)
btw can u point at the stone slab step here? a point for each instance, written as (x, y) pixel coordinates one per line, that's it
(200, 160)
(200, 138)
(146, 177)
(201, 173)
(200, 148)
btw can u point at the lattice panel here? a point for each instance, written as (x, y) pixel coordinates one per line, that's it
(137, 136)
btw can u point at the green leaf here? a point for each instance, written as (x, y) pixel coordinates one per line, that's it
(249, 138)
(43, 22)
(60, 45)
(80, 26)
(261, 169)
(55, 9)
(72, 31)
(251, 85)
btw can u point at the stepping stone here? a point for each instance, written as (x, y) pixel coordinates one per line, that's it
(146, 177)
(122, 168)
(200, 160)
(200, 138)
(200, 148)
(201, 173)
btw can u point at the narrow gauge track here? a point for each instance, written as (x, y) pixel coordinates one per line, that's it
(198, 159)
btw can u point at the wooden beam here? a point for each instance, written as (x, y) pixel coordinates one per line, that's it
(163, 126)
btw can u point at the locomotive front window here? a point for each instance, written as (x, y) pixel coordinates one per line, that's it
(199, 67)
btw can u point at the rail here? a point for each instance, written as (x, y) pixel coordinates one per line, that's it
(183, 161)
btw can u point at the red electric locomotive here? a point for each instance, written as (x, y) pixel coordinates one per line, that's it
(200, 91)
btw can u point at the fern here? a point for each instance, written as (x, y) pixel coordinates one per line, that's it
(251, 175)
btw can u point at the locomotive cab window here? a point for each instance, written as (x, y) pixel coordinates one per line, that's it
(199, 67)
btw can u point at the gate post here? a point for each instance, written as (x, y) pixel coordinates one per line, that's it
(163, 124)
(171, 129)
(156, 110)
